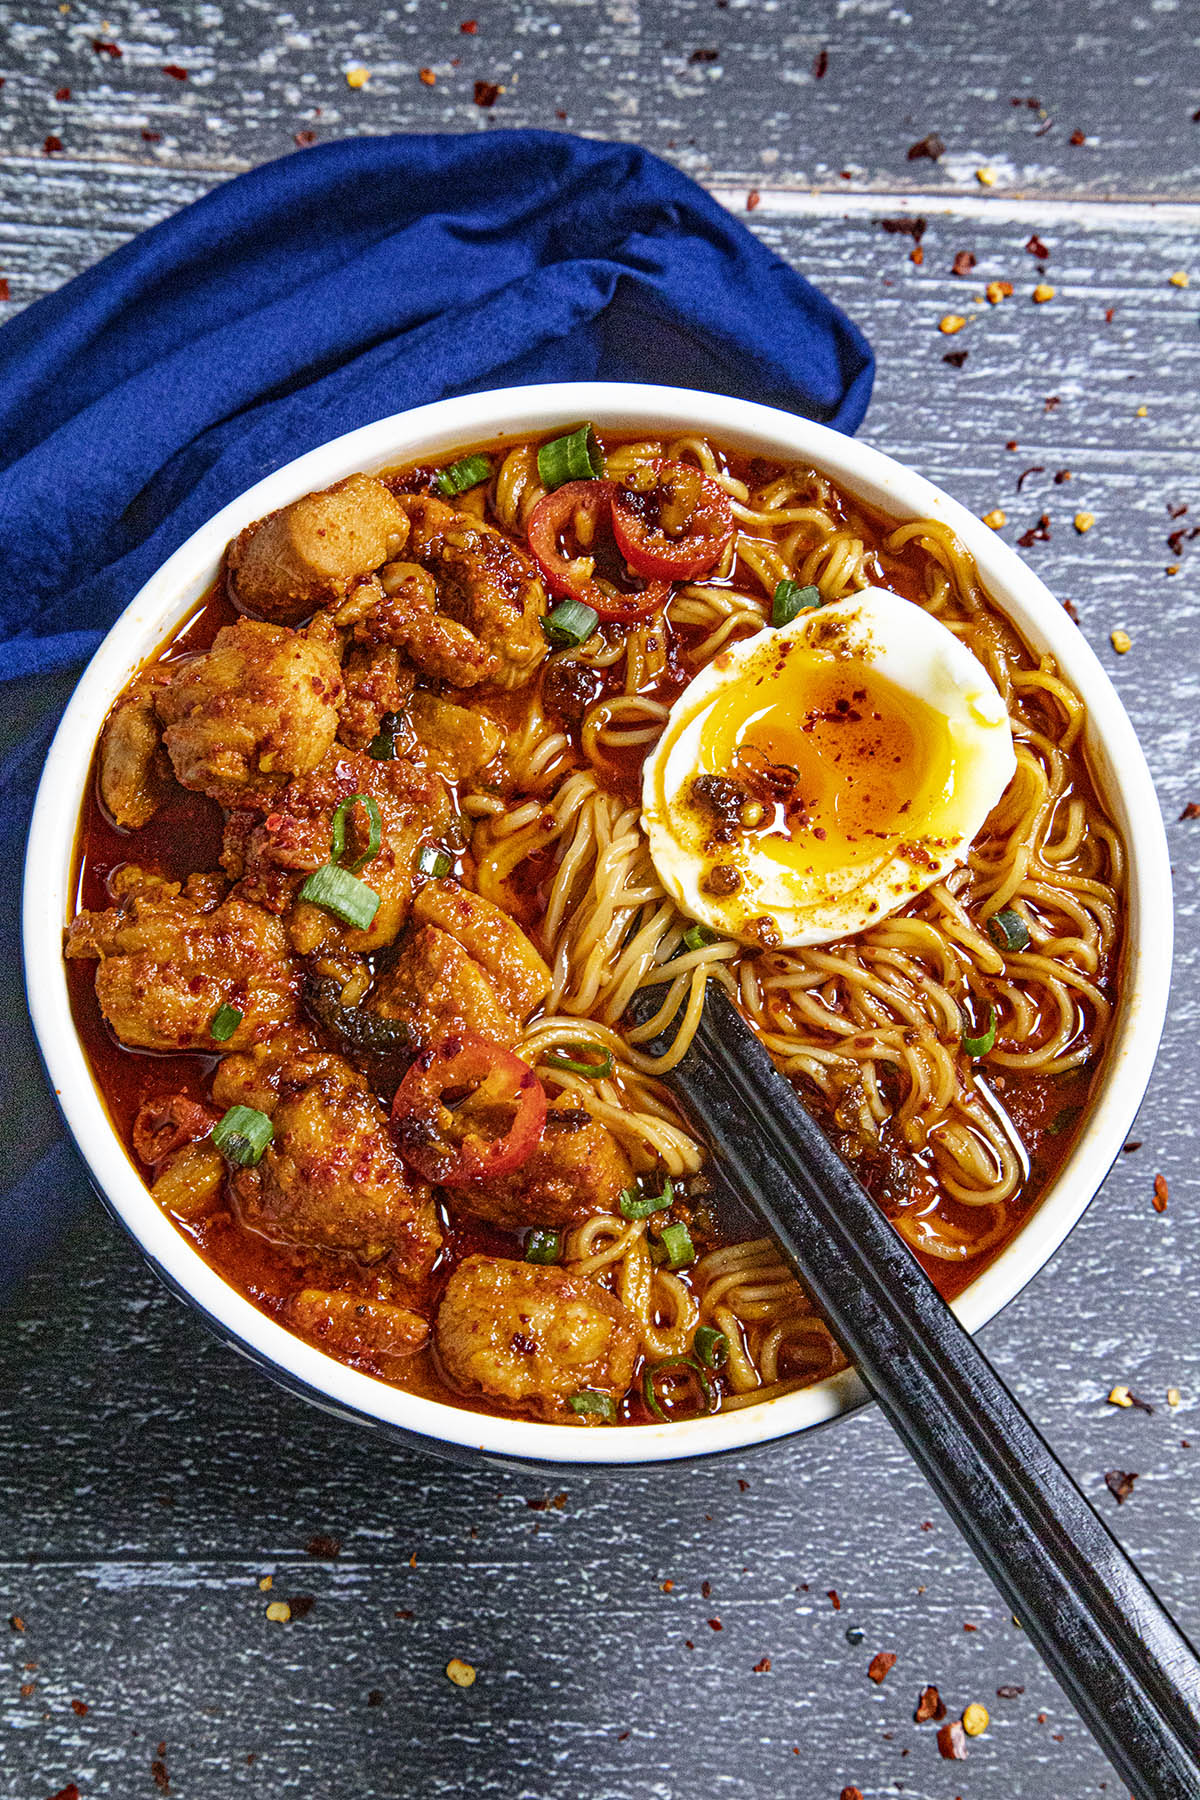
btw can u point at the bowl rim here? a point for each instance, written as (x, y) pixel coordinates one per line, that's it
(428, 432)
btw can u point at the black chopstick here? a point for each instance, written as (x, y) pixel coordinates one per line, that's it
(1104, 1634)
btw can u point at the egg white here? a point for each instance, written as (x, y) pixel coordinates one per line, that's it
(875, 636)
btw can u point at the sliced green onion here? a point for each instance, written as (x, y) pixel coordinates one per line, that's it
(640, 1206)
(342, 893)
(790, 599)
(676, 1240)
(242, 1135)
(672, 1365)
(225, 1022)
(466, 473)
(543, 1246)
(712, 1347)
(979, 1046)
(433, 862)
(374, 841)
(697, 937)
(383, 747)
(603, 1406)
(598, 1070)
(1008, 930)
(569, 623)
(576, 457)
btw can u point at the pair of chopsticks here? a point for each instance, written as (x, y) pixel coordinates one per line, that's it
(1102, 1631)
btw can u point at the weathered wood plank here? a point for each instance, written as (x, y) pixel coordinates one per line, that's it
(149, 1479)
(728, 91)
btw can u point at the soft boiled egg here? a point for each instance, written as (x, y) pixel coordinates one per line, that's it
(814, 778)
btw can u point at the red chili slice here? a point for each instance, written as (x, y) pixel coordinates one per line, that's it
(676, 528)
(552, 517)
(467, 1110)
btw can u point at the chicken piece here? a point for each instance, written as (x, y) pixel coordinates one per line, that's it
(331, 1177)
(259, 707)
(532, 1336)
(437, 991)
(273, 856)
(315, 550)
(167, 964)
(516, 971)
(375, 683)
(135, 772)
(374, 1332)
(577, 1168)
(455, 742)
(466, 604)
(252, 1079)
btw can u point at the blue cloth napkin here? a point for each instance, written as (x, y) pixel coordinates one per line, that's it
(313, 295)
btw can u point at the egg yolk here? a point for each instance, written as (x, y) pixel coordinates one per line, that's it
(843, 764)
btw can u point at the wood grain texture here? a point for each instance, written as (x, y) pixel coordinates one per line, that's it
(149, 1479)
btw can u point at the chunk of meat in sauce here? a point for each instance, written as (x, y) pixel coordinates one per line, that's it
(578, 1168)
(452, 740)
(466, 604)
(376, 683)
(165, 1125)
(436, 990)
(516, 970)
(331, 1178)
(531, 1336)
(569, 688)
(167, 963)
(259, 707)
(315, 550)
(135, 771)
(272, 856)
(354, 1329)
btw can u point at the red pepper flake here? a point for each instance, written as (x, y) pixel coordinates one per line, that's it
(851, 1793)
(301, 1605)
(1010, 1691)
(175, 71)
(917, 256)
(558, 1501)
(302, 139)
(621, 1736)
(1012, 444)
(70, 1792)
(706, 1590)
(1071, 610)
(16, 1622)
(668, 1587)
(762, 1667)
(970, 1628)
(1061, 476)
(1033, 469)
(1037, 534)
(929, 1706)
(1190, 811)
(51, 145)
(820, 65)
(1161, 1194)
(427, 76)
(716, 1625)
(743, 1485)
(487, 93)
(1136, 1143)
(931, 147)
(404, 1612)
(1119, 1483)
(162, 1780)
(79, 1708)
(880, 1666)
(469, 27)
(105, 47)
(1179, 537)
(752, 199)
(375, 1697)
(956, 358)
(705, 56)
(952, 1741)
(27, 1688)
(1051, 403)
(963, 263)
(1036, 247)
(1109, 314)
(835, 1599)
(152, 137)
(62, 93)
(1077, 137)
(688, 1644)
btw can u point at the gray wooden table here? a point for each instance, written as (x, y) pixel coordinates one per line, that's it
(150, 1482)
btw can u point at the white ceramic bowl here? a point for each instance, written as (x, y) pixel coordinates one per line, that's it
(431, 433)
